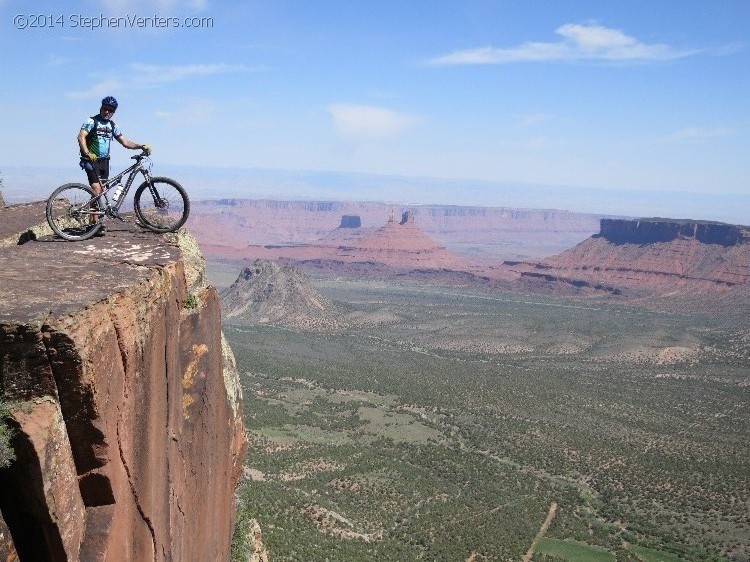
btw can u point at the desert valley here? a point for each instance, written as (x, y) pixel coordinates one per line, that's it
(418, 382)
(453, 383)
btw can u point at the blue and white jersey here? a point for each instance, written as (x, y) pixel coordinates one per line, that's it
(100, 133)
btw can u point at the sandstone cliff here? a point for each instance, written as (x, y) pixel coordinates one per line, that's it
(652, 255)
(650, 231)
(127, 414)
(395, 245)
(351, 221)
(399, 244)
(226, 227)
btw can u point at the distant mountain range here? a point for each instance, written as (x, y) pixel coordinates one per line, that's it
(24, 184)
(627, 257)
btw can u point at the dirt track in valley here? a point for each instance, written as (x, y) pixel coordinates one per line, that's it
(541, 533)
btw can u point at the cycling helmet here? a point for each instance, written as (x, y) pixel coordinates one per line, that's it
(110, 101)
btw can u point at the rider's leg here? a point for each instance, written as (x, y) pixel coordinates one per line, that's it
(103, 169)
(102, 173)
(97, 187)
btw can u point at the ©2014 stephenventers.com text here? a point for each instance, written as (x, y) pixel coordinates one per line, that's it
(100, 21)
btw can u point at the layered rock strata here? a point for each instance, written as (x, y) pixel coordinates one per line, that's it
(650, 231)
(651, 255)
(225, 228)
(127, 414)
(399, 245)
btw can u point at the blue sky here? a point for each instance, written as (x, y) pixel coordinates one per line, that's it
(642, 95)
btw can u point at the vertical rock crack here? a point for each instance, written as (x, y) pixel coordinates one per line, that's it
(133, 491)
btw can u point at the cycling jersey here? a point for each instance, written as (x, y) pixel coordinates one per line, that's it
(100, 133)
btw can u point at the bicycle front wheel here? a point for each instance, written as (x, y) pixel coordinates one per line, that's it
(72, 213)
(162, 205)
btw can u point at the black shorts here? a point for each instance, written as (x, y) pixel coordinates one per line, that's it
(102, 168)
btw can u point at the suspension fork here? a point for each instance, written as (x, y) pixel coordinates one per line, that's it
(158, 202)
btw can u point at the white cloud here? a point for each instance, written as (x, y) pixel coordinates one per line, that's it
(56, 60)
(534, 119)
(699, 133)
(98, 90)
(590, 42)
(151, 74)
(369, 122)
(142, 76)
(192, 111)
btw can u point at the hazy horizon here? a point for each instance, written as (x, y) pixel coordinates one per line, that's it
(648, 99)
(202, 183)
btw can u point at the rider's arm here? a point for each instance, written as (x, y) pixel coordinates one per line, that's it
(82, 141)
(127, 143)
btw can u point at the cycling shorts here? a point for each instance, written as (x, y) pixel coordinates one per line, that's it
(102, 168)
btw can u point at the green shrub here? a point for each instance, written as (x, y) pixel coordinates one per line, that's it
(191, 303)
(6, 432)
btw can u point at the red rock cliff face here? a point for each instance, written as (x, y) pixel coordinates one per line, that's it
(650, 231)
(129, 436)
(650, 255)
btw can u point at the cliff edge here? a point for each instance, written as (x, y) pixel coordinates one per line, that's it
(126, 410)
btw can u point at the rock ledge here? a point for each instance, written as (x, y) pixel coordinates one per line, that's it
(129, 437)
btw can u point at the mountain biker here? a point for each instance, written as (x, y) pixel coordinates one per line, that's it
(94, 139)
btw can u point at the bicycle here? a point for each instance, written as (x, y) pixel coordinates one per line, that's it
(76, 212)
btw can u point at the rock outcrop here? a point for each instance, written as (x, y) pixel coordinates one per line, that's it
(351, 221)
(268, 293)
(651, 231)
(22, 223)
(651, 255)
(401, 245)
(396, 245)
(258, 551)
(225, 228)
(127, 414)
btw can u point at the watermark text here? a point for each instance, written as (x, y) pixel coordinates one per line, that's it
(100, 21)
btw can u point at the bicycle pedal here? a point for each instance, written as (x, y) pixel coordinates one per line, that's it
(114, 214)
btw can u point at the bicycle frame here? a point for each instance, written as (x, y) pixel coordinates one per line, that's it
(109, 183)
(76, 212)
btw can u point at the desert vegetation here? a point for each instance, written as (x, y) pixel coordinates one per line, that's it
(447, 432)
(6, 432)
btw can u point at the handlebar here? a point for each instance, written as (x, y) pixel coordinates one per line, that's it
(138, 158)
(141, 155)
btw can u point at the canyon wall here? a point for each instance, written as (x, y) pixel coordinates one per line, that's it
(652, 255)
(223, 226)
(650, 231)
(273, 222)
(126, 407)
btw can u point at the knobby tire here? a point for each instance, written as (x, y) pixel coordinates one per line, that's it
(69, 212)
(166, 214)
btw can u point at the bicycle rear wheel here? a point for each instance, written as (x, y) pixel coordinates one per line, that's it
(161, 205)
(71, 213)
